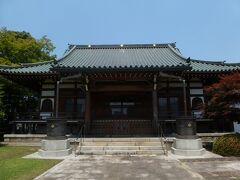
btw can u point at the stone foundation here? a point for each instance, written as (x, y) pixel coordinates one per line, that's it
(188, 147)
(55, 148)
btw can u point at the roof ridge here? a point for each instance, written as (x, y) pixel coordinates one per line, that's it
(215, 62)
(234, 64)
(66, 54)
(202, 61)
(207, 61)
(8, 66)
(109, 46)
(35, 64)
(178, 53)
(21, 65)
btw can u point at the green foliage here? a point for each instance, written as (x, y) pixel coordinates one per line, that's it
(13, 166)
(4, 61)
(227, 145)
(2, 109)
(15, 100)
(223, 98)
(21, 47)
(15, 48)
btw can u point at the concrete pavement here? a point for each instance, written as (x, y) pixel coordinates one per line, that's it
(150, 167)
(110, 167)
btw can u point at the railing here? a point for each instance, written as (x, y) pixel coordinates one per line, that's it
(198, 114)
(28, 127)
(39, 126)
(121, 127)
(71, 115)
(161, 137)
(80, 137)
(26, 116)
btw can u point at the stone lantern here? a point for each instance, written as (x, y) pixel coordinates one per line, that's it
(56, 143)
(186, 142)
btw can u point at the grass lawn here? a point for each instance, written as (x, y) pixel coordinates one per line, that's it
(12, 166)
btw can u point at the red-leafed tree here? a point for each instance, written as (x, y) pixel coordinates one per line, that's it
(223, 98)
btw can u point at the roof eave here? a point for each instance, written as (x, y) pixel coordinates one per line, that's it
(80, 69)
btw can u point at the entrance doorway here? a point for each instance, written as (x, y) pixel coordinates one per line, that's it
(121, 113)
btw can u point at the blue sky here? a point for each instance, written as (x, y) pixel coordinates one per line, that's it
(202, 29)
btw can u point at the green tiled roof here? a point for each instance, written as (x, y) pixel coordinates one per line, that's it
(34, 68)
(211, 66)
(159, 56)
(122, 57)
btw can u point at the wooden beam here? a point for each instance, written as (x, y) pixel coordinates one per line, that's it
(76, 76)
(108, 88)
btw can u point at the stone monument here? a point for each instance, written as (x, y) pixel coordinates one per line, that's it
(56, 143)
(186, 142)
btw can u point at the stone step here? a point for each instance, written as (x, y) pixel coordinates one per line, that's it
(89, 148)
(152, 139)
(121, 143)
(145, 145)
(121, 152)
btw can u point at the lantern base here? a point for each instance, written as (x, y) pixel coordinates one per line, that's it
(55, 148)
(188, 147)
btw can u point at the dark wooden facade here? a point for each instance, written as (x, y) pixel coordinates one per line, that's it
(122, 103)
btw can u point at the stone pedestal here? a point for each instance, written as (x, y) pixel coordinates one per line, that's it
(188, 147)
(55, 148)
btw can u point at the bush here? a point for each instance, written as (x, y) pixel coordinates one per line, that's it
(227, 145)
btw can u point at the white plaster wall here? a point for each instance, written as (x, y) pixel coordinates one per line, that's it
(48, 93)
(176, 84)
(195, 84)
(196, 91)
(67, 85)
(48, 86)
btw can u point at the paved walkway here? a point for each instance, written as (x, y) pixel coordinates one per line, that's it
(216, 169)
(141, 167)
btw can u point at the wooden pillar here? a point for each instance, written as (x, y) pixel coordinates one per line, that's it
(57, 99)
(155, 104)
(88, 111)
(184, 97)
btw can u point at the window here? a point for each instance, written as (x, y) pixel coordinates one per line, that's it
(168, 107)
(197, 103)
(47, 105)
(121, 108)
(162, 101)
(174, 105)
(69, 105)
(81, 105)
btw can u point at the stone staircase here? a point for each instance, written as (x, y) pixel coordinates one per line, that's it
(120, 146)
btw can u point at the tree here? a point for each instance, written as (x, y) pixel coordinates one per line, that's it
(20, 47)
(2, 109)
(16, 48)
(224, 98)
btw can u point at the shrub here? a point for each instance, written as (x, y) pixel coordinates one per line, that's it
(227, 145)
